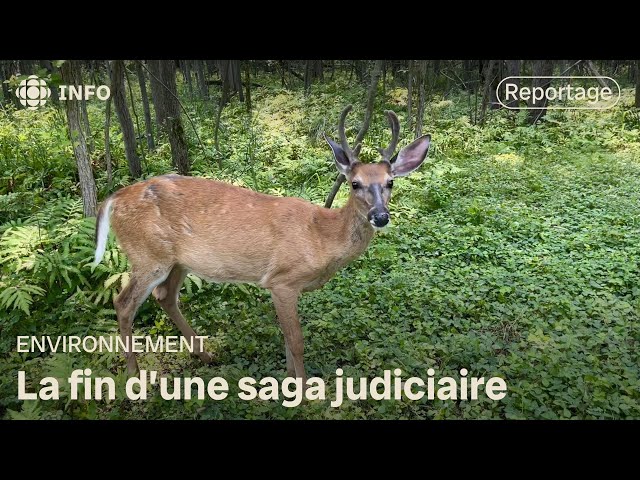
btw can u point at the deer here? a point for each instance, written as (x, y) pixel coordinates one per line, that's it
(171, 225)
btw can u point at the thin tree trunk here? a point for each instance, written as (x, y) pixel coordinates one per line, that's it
(283, 67)
(592, 68)
(513, 70)
(466, 74)
(86, 125)
(371, 96)
(107, 142)
(307, 76)
(384, 78)
(541, 68)
(248, 87)
(6, 93)
(156, 91)
(410, 95)
(489, 78)
(83, 162)
(126, 125)
(637, 83)
(236, 72)
(421, 74)
(145, 106)
(168, 98)
(493, 89)
(138, 131)
(186, 73)
(202, 81)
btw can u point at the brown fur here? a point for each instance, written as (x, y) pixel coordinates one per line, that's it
(171, 225)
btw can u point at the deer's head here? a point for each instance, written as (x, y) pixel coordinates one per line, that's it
(371, 183)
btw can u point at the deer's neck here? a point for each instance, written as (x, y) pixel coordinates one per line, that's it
(345, 234)
(354, 232)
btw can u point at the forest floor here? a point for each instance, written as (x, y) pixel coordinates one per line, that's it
(513, 252)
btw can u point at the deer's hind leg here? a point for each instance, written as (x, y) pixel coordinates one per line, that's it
(166, 294)
(140, 285)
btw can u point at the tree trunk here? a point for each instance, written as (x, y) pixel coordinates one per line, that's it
(122, 110)
(156, 91)
(541, 68)
(248, 86)
(489, 74)
(513, 70)
(592, 68)
(637, 83)
(493, 89)
(421, 75)
(69, 72)
(135, 113)
(145, 106)
(201, 79)
(466, 74)
(283, 67)
(167, 98)
(229, 71)
(313, 71)
(410, 95)
(107, 142)
(186, 73)
(85, 123)
(371, 96)
(6, 93)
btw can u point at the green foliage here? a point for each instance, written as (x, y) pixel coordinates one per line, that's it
(513, 252)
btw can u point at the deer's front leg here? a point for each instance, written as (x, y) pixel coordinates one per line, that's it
(286, 303)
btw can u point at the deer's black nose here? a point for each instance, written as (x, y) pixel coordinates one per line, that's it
(380, 219)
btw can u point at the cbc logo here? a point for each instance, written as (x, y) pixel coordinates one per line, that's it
(33, 92)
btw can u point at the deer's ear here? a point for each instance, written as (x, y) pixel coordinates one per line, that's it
(411, 156)
(343, 164)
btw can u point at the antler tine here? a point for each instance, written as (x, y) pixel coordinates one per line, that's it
(343, 135)
(394, 123)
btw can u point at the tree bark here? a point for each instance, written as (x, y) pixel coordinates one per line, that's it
(541, 68)
(186, 73)
(201, 79)
(592, 68)
(156, 91)
(107, 142)
(145, 106)
(6, 93)
(85, 123)
(490, 74)
(410, 94)
(513, 70)
(69, 72)
(371, 96)
(312, 72)
(122, 111)
(229, 71)
(637, 83)
(248, 86)
(421, 75)
(167, 98)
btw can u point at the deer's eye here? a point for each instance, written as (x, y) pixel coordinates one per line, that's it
(356, 185)
(390, 184)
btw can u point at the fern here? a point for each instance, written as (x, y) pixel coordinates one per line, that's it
(18, 246)
(19, 296)
(31, 410)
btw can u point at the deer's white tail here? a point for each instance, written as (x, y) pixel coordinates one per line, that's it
(102, 230)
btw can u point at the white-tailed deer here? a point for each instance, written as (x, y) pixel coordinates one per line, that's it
(171, 225)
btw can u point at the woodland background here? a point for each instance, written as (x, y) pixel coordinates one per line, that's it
(513, 251)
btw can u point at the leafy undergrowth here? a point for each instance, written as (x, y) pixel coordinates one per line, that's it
(513, 252)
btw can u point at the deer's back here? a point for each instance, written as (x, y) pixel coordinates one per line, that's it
(217, 230)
